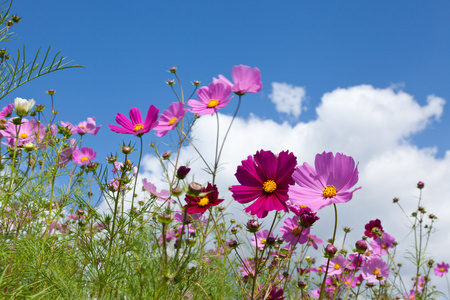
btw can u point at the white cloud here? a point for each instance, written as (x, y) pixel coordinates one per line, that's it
(287, 98)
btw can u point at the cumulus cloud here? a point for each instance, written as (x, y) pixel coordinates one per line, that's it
(374, 126)
(287, 98)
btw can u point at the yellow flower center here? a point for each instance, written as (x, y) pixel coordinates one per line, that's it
(412, 297)
(263, 241)
(384, 246)
(173, 120)
(84, 158)
(347, 283)
(269, 186)
(376, 272)
(204, 201)
(442, 269)
(337, 266)
(138, 127)
(302, 206)
(23, 135)
(329, 192)
(82, 127)
(213, 103)
(296, 231)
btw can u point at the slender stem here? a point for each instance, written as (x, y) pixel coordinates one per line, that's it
(328, 261)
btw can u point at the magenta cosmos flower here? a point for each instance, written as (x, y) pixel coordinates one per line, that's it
(441, 269)
(170, 118)
(136, 126)
(83, 156)
(294, 233)
(375, 270)
(211, 98)
(329, 182)
(265, 177)
(246, 80)
(201, 204)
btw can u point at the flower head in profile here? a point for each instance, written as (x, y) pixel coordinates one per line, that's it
(209, 198)
(380, 245)
(265, 177)
(211, 97)
(7, 111)
(23, 106)
(88, 126)
(441, 269)
(170, 118)
(163, 195)
(246, 80)
(328, 182)
(66, 155)
(83, 156)
(136, 126)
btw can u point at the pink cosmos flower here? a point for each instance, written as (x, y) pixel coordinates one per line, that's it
(211, 97)
(329, 182)
(411, 295)
(7, 111)
(136, 126)
(294, 233)
(170, 118)
(83, 156)
(337, 265)
(151, 188)
(25, 135)
(265, 177)
(375, 270)
(66, 154)
(83, 127)
(441, 269)
(420, 284)
(246, 80)
(381, 245)
(261, 237)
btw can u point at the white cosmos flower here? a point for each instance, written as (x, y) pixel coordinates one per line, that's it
(23, 106)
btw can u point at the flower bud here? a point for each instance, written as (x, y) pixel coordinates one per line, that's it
(330, 250)
(80, 212)
(177, 191)
(166, 155)
(29, 147)
(232, 244)
(234, 230)
(165, 218)
(127, 149)
(182, 172)
(195, 188)
(420, 185)
(302, 284)
(173, 69)
(430, 263)
(170, 82)
(51, 92)
(23, 106)
(196, 82)
(347, 229)
(15, 18)
(253, 225)
(361, 246)
(40, 108)
(270, 241)
(395, 200)
(280, 240)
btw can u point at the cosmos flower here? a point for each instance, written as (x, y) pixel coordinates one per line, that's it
(24, 133)
(246, 80)
(329, 182)
(170, 118)
(7, 111)
(151, 188)
(441, 269)
(373, 228)
(265, 177)
(23, 106)
(261, 238)
(375, 270)
(293, 232)
(201, 204)
(380, 245)
(136, 126)
(83, 127)
(211, 98)
(337, 265)
(83, 156)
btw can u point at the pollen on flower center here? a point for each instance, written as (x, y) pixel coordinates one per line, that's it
(376, 272)
(173, 120)
(269, 186)
(23, 135)
(442, 269)
(337, 266)
(213, 103)
(82, 127)
(384, 246)
(329, 192)
(296, 231)
(84, 158)
(138, 127)
(204, 201)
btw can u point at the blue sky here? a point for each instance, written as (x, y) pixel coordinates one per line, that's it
(366, 70)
